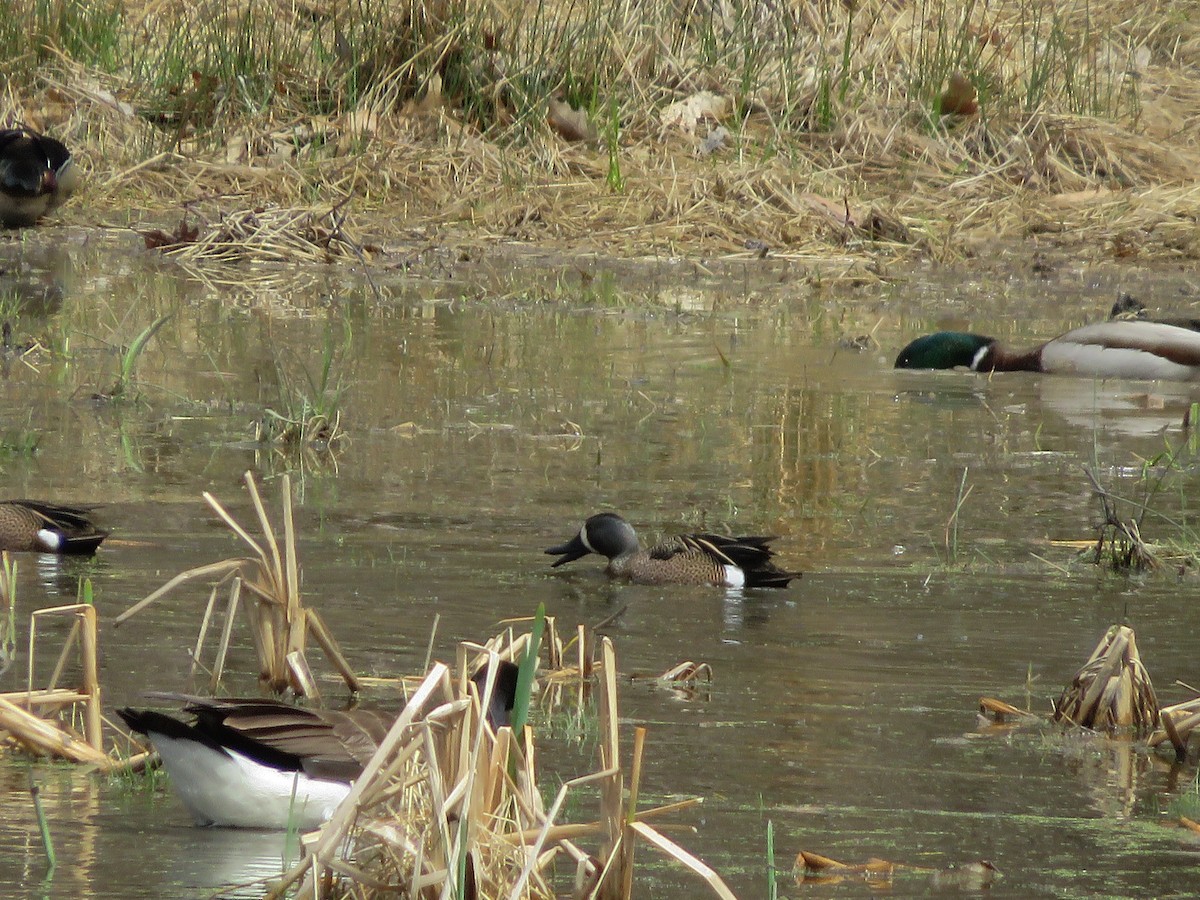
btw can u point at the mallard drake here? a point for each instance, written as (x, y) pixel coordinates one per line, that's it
(1128, 348)
(30, 525)
(257, 763)
(37, 175)
(712, 559)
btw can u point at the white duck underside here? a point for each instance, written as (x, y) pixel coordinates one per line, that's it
(1112, 362)
(231, 790)
(1136, 350)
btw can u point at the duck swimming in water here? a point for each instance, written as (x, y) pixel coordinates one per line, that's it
(1125, 348)
(711, 559)
(38, 527)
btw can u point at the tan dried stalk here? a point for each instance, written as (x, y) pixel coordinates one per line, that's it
(446, 799)
(1112, 690)
(279, 622)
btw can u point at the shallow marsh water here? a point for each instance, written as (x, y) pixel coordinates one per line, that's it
(491, 408)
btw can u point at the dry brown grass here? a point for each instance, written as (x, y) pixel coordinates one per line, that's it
(450, 142)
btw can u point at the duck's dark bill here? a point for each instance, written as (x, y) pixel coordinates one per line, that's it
(570, 551)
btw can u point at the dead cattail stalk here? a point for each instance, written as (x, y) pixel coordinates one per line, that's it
(446, 807)
(1112, 690)
(42, 735)
(279, 622)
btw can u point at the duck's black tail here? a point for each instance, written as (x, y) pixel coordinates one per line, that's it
(754, 556)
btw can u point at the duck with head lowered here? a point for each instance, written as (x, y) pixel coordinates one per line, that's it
(1125, 348)
(39, 527)
(261, 763)
(37, 175)
(711, 559)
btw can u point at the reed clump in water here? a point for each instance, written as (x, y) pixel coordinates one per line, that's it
(831, 131)
(33, 719)
(280, 624)
(448, 807)
(1113, 689)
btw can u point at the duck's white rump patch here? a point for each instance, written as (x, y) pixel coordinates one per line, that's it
(733, 577)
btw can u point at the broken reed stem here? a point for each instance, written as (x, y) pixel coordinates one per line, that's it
(295, 613)
(272, 565)
(676, 852)
(64, 655)
(328, 643)
(44, 737)
(437, 618)
(635, 780)
(235, 594)
(89, 654)
(205, 620)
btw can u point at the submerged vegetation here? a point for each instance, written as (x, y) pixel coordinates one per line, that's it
(728, 126)
(306, 416)
(1161, 502)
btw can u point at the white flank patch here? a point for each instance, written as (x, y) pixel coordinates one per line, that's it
(48, 540)
(734, 577)
(232, 790)
(1098, 361)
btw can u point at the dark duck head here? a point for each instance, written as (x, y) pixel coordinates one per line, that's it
(37, 175)
(945, 350)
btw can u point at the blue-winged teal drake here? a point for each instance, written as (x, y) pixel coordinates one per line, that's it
(29, 525)
(37, 175)
(684, 559)
(1123, 348)
(255, 763)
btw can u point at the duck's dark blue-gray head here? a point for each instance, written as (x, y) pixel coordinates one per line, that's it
(606, 534)
(944, 350)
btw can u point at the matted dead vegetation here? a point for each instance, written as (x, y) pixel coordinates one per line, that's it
(1113, 690)
(881, 874)
(843, 132)
(1111, 693)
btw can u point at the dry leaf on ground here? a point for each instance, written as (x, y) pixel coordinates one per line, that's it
(569, 123)
(959, 98)
(686, 114)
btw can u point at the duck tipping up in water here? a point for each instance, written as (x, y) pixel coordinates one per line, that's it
(37, 175)
(257, 763)
(685, 559)
(30, 525)
(1131, 348)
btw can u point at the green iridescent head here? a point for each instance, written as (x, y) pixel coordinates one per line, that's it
(944, 350)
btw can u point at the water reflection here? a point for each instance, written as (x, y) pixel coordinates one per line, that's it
(482, 431)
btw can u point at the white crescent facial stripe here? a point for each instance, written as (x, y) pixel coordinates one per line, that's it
(586, 542)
